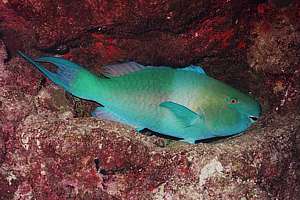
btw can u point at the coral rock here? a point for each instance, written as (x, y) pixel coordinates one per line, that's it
(184, 31)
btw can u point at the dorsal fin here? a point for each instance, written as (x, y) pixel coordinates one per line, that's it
(194, 68)
(122, 69)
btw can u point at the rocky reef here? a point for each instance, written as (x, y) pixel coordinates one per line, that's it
(51, 148)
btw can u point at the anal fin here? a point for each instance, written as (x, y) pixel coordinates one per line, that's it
(106, 114)
(188, 140)
(103, 113)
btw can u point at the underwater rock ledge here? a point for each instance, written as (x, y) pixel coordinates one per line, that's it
(184, 31)
(49, 154)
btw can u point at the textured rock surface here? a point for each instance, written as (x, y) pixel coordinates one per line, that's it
(184, 31)
(50, 148)
(276, 40)
(60, 158)
(274, 50)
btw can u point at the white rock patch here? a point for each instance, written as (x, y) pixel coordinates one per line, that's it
(210, 170)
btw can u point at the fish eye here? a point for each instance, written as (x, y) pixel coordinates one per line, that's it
(233, 101)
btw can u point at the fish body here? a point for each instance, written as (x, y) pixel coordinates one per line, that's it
(184, 103)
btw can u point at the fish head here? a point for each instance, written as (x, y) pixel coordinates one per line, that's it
(229, 111)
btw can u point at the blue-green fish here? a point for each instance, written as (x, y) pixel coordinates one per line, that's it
(185, 103)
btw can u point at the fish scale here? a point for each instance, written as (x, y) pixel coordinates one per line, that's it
(147, 92)
(184, 103)
(139, 87)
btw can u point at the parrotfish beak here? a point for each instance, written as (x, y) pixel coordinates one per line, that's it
(254, 117)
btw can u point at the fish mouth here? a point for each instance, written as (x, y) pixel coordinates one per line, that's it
(253, 118)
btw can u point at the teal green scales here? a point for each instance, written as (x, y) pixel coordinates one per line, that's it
(184, 103)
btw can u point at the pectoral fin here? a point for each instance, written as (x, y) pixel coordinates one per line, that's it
(184, 115)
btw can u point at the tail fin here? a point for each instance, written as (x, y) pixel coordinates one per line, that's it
(70, 76)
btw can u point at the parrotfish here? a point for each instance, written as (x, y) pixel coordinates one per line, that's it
(184, 103)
